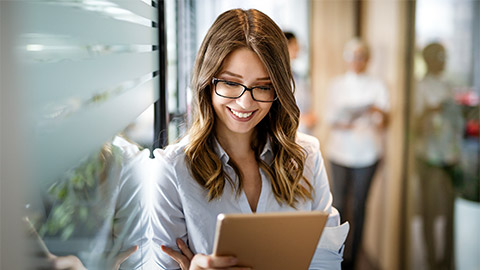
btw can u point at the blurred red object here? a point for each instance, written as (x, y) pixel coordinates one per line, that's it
(468, 98)
(472, 128)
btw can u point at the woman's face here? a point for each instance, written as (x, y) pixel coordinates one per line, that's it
(241, 115)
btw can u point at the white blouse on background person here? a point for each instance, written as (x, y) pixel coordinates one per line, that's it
(349, 97)
(182, 209)
(442, 121)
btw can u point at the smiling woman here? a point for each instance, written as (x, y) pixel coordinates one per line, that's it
(242, 114)
(242, 153)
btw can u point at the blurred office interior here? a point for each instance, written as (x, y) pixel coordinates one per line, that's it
(75, 74)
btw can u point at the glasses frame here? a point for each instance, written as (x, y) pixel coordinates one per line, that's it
(245, 88)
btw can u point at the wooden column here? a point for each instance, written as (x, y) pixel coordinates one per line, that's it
(332, 24)
(386, 27)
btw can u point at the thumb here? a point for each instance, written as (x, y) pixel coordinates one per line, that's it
(67, 262)
(123, 256)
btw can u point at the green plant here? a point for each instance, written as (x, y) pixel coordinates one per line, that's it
(73, 198)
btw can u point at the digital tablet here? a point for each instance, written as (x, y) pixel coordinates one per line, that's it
(266, 241)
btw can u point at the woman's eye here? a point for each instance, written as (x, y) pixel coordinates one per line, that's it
(231, 84)
(264, 88)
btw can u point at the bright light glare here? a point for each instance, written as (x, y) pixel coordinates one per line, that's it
(35, 47)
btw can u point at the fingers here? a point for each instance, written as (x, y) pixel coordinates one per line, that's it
(121, 257)
(184, 248)
(181, 259)
(201, 261)
(67, 262)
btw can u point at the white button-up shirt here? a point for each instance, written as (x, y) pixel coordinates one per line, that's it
(182, 209)
(349, 97)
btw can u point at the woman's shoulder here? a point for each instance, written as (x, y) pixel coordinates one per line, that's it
(169, 165)
(173, 154)
(308, 142)
(124, 147)
(126, 152)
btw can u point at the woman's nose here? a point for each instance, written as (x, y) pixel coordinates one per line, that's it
(246, 100)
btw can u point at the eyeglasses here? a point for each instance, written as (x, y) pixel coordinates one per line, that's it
(233, 90)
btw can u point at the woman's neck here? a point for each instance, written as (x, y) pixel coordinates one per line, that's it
(237, 146)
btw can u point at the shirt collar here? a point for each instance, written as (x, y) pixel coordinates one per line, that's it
(266, 154)
(220, 151)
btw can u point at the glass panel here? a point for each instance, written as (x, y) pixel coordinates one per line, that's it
(445, 185)
(112, 25)
(79, 72)
(84, 83)
(142, 8)
(96, 210)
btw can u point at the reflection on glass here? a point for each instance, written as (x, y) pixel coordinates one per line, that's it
(440, 130)
(141, 131)
(44, 48)
(95, 215)
(106, 8)
(446, 182)
(82, 70)
(55, 112)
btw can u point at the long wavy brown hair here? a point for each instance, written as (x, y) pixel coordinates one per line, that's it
(252, 29)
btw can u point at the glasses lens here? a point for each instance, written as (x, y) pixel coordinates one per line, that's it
(264, 93)
(229, 89)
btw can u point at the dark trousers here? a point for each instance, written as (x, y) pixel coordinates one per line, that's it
(350, 188)
(437, 200)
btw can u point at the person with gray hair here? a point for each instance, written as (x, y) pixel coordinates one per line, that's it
(356, 112)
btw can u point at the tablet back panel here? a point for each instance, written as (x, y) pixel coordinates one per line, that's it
(271, 240)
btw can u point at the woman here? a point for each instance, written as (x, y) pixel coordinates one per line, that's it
(242, 153)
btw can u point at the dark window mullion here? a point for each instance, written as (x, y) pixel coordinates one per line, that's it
(160, 106)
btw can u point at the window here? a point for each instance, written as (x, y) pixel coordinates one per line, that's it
(79, 72)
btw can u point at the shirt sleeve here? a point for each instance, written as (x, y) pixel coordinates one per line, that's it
(329, 109)
(382, 100)
(168, 220)
(334, 108)
(329, 252)
(131, 219)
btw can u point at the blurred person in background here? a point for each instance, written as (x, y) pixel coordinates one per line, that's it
(303, 95)
(356, 111)
(439, 128)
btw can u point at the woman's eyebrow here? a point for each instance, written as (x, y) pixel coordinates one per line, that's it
(232, 74)
(226, 72)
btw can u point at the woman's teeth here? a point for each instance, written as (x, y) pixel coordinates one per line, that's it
(241, 115)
